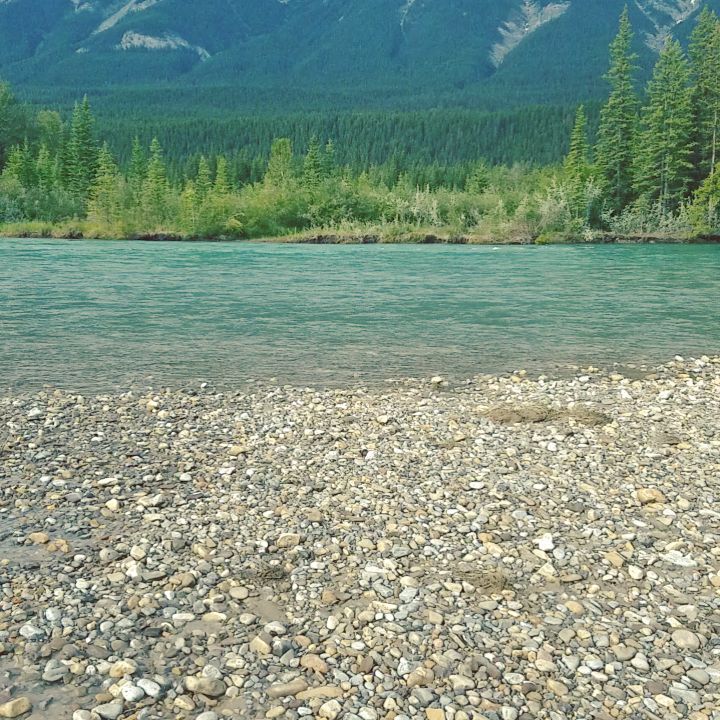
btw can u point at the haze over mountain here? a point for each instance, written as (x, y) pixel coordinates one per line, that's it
(498, 52)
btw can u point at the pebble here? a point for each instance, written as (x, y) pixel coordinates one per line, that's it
(15, 708)
(280, 690)
(330, 710)
(501, 549)
(109, 711)
(686, 640)
(205, 686)
(645, 496)
(150, 687)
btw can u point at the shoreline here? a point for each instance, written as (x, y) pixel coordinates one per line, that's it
(379, 238)
(507, 546)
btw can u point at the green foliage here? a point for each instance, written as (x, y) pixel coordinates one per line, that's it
(80, 158)
(105, 202)
(664, 169)
(397, 171)
(705, 209)
(313, 165)
(704, 52)
(280, 171)
(155, 191)
(479, 179)
(137, 170)
(618, 121)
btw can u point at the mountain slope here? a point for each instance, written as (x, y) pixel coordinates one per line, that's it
(515, 51)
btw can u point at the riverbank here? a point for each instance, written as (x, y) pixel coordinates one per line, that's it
(371, 236)
(508, 547)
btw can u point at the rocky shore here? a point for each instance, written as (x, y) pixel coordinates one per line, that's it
(509, 548)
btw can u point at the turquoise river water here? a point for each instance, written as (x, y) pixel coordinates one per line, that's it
(94, 316)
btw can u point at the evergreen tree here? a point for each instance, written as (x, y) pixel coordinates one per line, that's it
(664, 167)
(189, 208)
(280, 165)
(704, 53)
(46, 169)
(577, 170)
(50, 130)
(203, 181)
(104, 194)
(577, 163)
(312, 166)
(14, 165)
(222, 177)
(137, 171)
(13, 123)
(21, 165)
(81, 154)
(479, 179)
(705, 209)
(618, 121)
(329, 168)
(155, 187)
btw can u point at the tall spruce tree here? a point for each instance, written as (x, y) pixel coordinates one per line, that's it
(329, 167)
(664, 164)
(312, 166)
(221, 186)
(203, 180)
(577, 167)
(704, 54)
(104, 194)
(46, 169)
(577, 162)
(618, 122)
(137, 171)
(155, 187)
(81, 153)
(189, 213)
(280, 165)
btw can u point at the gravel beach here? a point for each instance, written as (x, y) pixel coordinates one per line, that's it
(507, 548)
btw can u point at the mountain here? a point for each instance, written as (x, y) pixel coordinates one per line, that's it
(492, 53)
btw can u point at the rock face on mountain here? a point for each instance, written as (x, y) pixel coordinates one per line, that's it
(531, 48)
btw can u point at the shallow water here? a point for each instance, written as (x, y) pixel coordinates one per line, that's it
(94, 316)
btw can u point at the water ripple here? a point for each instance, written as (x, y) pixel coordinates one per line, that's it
(97, 315)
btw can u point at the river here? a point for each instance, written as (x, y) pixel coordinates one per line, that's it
(96, 316)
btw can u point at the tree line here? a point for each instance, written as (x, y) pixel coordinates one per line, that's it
(654, 164)
(645, 163)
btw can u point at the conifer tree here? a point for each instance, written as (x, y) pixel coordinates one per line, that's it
(618, 122)
(704, 54)
(189, 208)
(81, 154)
(222, 177)
(312, 166)
(705, 209)
(46, 169)
(664, 167)
(137, 171)
(479, 179)
(50, 130)
(155, 187)
(203, 181)
(328, 161)
(577, 168)
(280, 165)
(14, 165)
(577, 164)
(104, 194)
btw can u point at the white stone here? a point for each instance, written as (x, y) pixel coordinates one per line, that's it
(150, 687)
(545, 542)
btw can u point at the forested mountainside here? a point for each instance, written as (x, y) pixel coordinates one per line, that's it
(491, 54)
